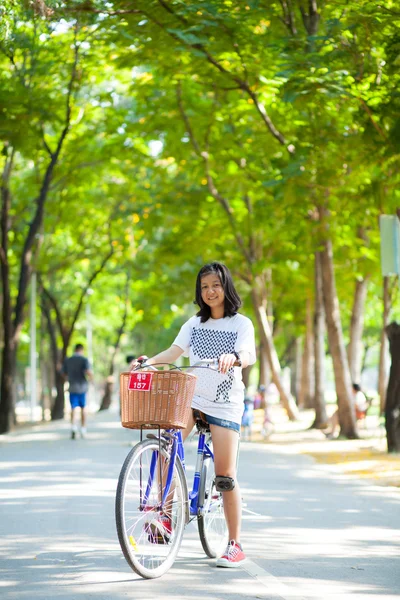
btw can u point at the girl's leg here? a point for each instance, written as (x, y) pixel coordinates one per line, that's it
(225, 443)
(83, 417)
(186, 432)
(74, 420)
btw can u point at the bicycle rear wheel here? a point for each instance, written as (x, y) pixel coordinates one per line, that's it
(149, 547)
(213, 530)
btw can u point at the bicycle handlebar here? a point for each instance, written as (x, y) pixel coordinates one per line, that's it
(205, 363)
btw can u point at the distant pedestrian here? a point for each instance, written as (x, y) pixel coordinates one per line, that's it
(247, 418)
(76, 370)
(268, 425)
(360, 405)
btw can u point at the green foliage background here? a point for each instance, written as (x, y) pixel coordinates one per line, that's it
(176, 104)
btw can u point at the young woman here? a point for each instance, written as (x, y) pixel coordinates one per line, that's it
(218, 331)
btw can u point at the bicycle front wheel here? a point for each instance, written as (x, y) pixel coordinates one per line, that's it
(150, 537)
(213, 530)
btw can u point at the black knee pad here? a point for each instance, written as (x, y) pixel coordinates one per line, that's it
(224, 484)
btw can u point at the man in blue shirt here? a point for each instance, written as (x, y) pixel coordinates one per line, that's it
(76, 370)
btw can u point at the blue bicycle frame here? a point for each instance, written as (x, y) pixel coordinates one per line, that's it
(203, 451)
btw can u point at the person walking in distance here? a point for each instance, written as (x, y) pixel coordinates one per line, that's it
(76, 370)
(361, 407)
(218, 331)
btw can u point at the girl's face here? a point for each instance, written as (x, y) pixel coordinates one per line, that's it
(212, 292)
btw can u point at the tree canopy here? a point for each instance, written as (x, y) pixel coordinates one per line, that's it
(161, 135)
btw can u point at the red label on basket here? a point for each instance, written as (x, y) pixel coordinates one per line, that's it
(140, 381)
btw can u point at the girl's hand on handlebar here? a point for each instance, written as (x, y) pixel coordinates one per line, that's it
(226, 362)
(137, 362)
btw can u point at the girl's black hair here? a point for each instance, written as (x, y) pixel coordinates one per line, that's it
(232, 300)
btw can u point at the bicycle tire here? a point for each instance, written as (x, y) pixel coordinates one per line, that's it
(138, 527)
(213, 530)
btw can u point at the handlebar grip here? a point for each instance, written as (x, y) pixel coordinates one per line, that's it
(214, 362)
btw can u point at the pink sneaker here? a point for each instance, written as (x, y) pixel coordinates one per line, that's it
(233, 556)
(160, 532)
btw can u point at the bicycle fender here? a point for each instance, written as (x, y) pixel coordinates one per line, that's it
(178, 463)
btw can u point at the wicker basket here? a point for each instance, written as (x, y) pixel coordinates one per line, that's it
(166, 404)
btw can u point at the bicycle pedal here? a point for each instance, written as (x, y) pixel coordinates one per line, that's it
(157, 534)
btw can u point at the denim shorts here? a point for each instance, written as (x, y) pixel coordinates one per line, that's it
(220, 422)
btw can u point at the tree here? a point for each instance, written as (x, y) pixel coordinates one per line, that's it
(392, 408)
(306, 395)
(347, 417)
(65, 326)
(246, 120)
(309, 88)
(109, 383)
(321, 418)
(382, 377)
(16, 50)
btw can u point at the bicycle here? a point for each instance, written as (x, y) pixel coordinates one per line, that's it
(151, 488)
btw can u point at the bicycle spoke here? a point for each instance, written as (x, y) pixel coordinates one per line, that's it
(211, 520)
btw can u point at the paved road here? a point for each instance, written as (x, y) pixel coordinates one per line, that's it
(308, 533)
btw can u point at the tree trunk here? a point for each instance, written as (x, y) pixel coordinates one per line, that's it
(1, 328)
(347, 417)
(109, 385)
(267, 340)
(108, 393)
(57, 412)
(57, 359)
(392, 408)
(355, 348)
(264, 378)
(383, 370)
(46, 374)
(8, 367)
(45, 386)
(297, 369)
(321, 418)
(306, 395)
(300, 352)
(310, 396)
(7, 387)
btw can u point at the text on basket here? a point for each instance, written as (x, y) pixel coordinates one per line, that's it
(140, 381)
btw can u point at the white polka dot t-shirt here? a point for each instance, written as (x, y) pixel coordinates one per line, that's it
(218, 395)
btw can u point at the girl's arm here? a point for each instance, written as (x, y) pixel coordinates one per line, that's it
(167, 356)
(245, 358)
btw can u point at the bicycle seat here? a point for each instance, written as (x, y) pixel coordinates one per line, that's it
(201, 421)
